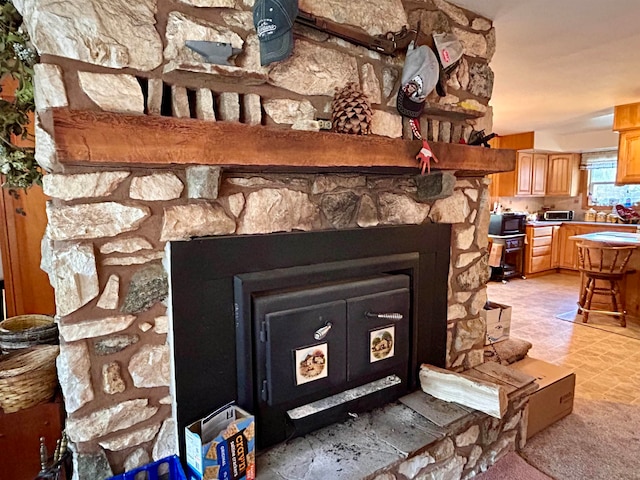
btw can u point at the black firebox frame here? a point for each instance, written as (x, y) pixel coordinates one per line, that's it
(204, 307)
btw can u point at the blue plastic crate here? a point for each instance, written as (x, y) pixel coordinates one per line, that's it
(156, 471)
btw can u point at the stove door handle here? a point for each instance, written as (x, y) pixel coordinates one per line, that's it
(322, 331)
(394, 317)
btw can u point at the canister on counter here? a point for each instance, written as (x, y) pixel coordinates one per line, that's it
(601, 217)
(612, 218)
(590, 215)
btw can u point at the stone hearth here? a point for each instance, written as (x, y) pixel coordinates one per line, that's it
(445, 441)
(124, 178)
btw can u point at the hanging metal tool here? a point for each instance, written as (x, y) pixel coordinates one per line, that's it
(213, 52)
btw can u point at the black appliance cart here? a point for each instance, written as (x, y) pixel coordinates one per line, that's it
(511, 258)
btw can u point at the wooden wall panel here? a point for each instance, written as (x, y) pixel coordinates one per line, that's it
(22, 224)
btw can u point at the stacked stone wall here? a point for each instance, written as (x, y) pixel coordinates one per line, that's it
(108, 229)
(133, 59)
(104, 250)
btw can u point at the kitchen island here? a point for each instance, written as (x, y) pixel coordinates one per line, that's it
(632, 287)
(548, 247)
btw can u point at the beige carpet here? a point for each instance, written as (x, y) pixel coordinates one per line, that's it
(512, 467)
(604, 322)
(600, 440)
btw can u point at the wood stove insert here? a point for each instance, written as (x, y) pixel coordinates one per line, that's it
(287, 324)
(321, 351)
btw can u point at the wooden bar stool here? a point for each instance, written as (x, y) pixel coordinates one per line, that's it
(601, 262)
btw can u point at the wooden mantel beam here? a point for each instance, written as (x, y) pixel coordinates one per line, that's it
(113, 139)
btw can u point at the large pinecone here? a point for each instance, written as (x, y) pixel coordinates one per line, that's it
(351, 111)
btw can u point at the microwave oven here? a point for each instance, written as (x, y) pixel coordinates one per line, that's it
(507, 223)
(558, 215)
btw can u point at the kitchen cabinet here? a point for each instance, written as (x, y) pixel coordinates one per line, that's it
(555, 247)
(531, 171)
(504, 184)
(536, 174)
(563, 174)
(626, 120)
(628, 157)
(524, 173)
(538, 254)
(568, 249)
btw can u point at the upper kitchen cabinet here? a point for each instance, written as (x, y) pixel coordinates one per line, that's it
(563, 174)
(504, 184)
(536, 174)
(539, 174)
(531, 172)
(629, 157)
(626, 120)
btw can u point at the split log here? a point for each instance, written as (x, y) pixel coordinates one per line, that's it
(471, 392)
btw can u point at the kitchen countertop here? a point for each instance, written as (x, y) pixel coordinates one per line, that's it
(515, 235)
(542, 223)
(617, 238)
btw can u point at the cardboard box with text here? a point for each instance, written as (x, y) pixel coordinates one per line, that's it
(554, 397)
(221, 446)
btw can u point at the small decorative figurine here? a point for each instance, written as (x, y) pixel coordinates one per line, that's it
(424, 157)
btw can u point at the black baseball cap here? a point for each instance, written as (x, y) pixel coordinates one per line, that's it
(273, 20)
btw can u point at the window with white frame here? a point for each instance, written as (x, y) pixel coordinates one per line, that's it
(601, 176)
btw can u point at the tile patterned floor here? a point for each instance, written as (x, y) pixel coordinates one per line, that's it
(605, 363)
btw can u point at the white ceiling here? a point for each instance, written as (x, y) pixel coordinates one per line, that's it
(561, 66)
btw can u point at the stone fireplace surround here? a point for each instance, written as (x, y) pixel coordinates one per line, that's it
(115, 362)
(124, 184)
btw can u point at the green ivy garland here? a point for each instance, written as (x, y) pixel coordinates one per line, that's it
(17, 58)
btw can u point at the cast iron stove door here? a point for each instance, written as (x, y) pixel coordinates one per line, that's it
(378, 334)
(297, 351)
(316, 343)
